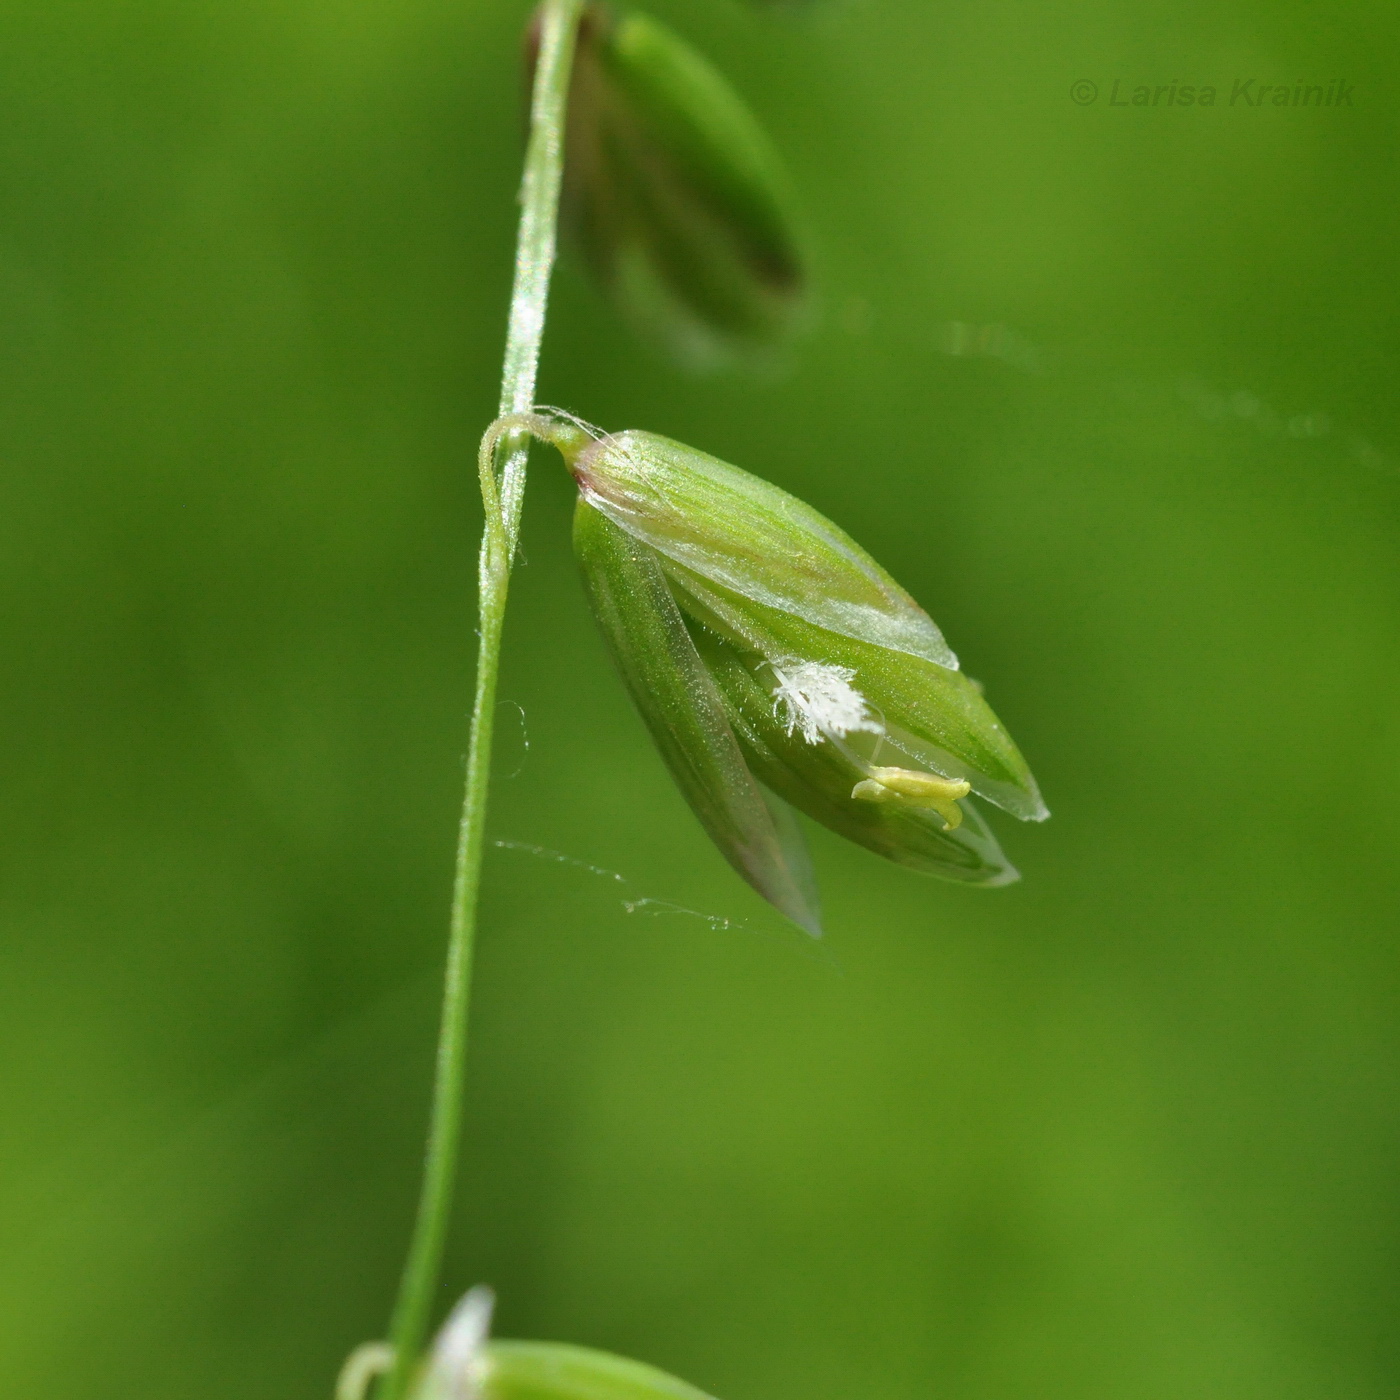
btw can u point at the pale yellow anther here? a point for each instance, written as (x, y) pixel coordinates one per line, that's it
(915, 789)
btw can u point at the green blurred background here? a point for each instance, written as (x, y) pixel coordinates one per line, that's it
(1128, 1129)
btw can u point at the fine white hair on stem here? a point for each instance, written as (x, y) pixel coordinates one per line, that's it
(642, 902)
(817, 700)
(524, 736)
(582, 424)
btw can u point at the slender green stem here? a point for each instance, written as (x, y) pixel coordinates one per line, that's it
(534, 261)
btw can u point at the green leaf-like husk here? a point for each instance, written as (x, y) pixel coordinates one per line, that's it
(932, 717)
(675, 196)
(749, 536)
(817, 779)
(686, 715)
(554, 1371)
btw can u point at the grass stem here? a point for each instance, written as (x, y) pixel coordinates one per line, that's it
(503, 487)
